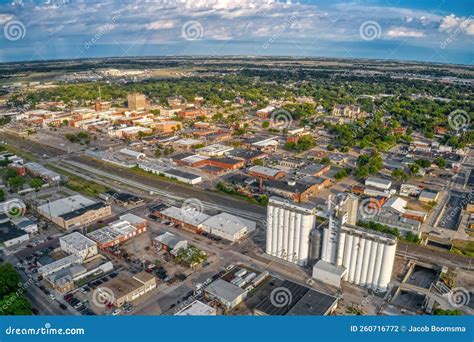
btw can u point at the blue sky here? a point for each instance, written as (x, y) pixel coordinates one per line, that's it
(434, 31)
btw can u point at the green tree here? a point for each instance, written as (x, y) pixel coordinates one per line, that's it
(15, 304)
(440, 162)
(16, 182)
(36, 183)
(265, 124)
(2, 195)
(9, 279)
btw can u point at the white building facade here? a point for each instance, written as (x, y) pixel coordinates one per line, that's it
(288, 230)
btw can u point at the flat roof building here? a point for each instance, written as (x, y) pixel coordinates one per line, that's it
(188, 217)
(226, 293)
(197, 308)
(78, 244)
(378, 183)
(74, 211)
(228, 226)
(129, 288)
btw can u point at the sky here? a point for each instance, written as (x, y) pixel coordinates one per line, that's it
(427, 30)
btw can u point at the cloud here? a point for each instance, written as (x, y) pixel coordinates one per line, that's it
(161, 25)
(403, 32)
(4, 18)
(451, 23)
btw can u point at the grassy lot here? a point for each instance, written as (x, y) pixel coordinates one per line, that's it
(21, 153)
(81, 185)
(463, 247)
(150, 175)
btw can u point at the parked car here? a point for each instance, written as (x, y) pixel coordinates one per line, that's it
(62, 306)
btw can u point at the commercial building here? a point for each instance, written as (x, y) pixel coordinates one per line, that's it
(79, 245)
(74, 211)
(65, 280)
(136, 101)
(215, 150)
(197, 308)
(169, 242)
(378, 183)
(227, 226)
(165, 127)
(288, 230)
(303, 301)
(38, 170)
(180, 175)
(296, 190)
(119, 231)
(188, 218)
(127, 288)
(428, 196)
(59, 265)
(227, 294)
(10, 235)
(265, 172)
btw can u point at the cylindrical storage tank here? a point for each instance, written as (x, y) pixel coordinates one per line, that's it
(291, 237)
(269, 230)
(378, 265)
(325, 245)
(315, 241)
(340, 248)
(352, 265)
(360, 256)
(387, 266)
(370, 270)
(290, 221)
(306, 227)
(347, 254)
(278, 249)
(297, 242)
(365, 262)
